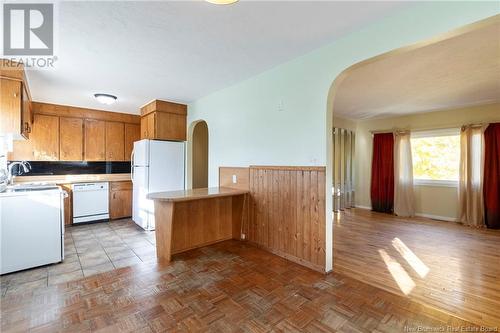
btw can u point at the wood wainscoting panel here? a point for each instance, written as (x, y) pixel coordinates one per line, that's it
(287, 213)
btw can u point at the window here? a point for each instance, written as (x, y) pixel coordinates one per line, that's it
(436, 157)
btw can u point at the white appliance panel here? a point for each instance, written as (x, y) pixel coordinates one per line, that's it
(166, 171)
(141, 206)
(31, 230)
(90, 202)
(141, 153)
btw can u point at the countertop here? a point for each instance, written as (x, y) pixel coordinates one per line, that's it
(195, 194)
(71, 179)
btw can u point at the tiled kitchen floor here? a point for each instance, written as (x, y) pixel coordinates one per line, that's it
(89, 249)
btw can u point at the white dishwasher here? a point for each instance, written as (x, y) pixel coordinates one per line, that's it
(90, 202)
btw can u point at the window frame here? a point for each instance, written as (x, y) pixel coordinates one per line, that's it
(432, 134)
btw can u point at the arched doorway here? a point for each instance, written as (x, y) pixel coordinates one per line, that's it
(332, 121)
(199, 154)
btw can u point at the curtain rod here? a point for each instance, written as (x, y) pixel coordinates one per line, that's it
(424, 128)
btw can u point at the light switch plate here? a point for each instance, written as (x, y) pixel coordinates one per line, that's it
(235, 179)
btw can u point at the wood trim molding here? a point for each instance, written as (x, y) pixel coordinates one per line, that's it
(77, 112)
(289, 168)
(164, 106)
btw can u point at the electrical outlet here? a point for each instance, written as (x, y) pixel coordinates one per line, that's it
(243, 236)
(281, 106)
(235, 179)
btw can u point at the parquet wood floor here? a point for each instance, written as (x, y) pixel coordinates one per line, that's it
(227, 287)
(441, 264)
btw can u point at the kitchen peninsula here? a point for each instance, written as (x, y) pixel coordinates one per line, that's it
(190, 219)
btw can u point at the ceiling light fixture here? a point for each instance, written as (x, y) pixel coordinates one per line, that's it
(105, 98)
(222, 2)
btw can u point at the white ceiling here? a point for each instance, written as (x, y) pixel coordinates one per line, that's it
(182, 51)
(457, 72)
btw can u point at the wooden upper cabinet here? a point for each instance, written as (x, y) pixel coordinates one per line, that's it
(10, 106)
(26, 113)
(15, 101)
(170, 126)
(43, 144)
(147, 126)
(70, 139)
(132, 134)
(115, 140)
(45, 138)
(162, 120)
(95, 140)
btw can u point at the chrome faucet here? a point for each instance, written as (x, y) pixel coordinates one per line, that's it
(26, 167)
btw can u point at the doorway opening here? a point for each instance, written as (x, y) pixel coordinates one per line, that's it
(199, 146)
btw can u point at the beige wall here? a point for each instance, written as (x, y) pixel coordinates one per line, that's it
(200, 155)
(344, 123)
(430, 200)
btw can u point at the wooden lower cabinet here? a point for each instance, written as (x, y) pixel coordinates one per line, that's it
(68, 204)
(120, 200)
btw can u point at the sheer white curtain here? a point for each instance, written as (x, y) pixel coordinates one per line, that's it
(403, 175)
(343, 170)
(470, 187)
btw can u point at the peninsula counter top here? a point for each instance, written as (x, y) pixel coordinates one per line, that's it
(196, 194)
(189, 219)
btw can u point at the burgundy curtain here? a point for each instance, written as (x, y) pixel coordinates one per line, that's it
(491, 187)
(382, 186)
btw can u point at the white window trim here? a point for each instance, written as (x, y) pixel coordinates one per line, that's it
(435, 133)
(435, 182)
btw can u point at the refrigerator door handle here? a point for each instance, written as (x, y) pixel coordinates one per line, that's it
(132, 166)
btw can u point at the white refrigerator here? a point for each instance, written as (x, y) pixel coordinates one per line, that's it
(157, 166)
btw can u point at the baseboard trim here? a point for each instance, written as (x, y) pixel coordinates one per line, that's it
(294, 259)
(429, 216)
(437, 217)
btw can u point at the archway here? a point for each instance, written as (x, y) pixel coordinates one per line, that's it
(330, 116)
(198, 155)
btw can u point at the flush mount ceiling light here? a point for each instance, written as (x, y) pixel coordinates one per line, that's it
(222, 2)
(105, 98)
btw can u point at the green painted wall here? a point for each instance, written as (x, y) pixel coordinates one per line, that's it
(244, 121)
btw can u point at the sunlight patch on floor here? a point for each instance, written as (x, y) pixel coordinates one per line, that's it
(404, 281)
(411, 258)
